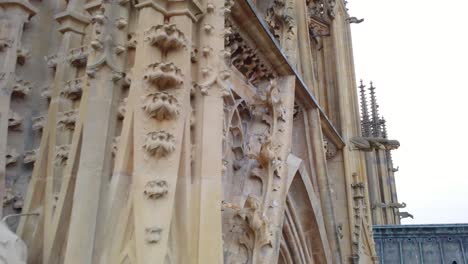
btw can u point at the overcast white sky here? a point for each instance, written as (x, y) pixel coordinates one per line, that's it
(416, 52)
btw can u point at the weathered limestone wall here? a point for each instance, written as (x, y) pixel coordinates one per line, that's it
(183, 132)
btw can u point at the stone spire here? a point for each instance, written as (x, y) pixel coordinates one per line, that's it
(365, 121)
(384, 127)
(375, 124)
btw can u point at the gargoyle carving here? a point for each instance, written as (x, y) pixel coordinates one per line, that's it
(73, 89)
(403, 215)
(257, 233)
(39, 122)
(164, 75)
(389, 205)
(156, 189)
(153, 234)
(21, 88)
(14, 120)
(166, 37)
(354, 20)
(61, 154)
(161, 106)
(11, 156)
(78, 56)
(30, 156)
(67, 120)
(370, 144)
(159, 143)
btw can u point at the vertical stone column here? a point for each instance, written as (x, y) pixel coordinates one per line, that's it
(161, 75)
(207, 186)
(348, 115)
(60, 156)
(104, 69)
(387, 199)
(13, 15)
(374, 188)
(392, 185)
(324, 185)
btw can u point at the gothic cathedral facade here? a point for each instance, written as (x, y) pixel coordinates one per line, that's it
(189, 131)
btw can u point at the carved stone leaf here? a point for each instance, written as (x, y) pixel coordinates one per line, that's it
(166, 37)
(164, 75)
(159, 143)
(161, 106)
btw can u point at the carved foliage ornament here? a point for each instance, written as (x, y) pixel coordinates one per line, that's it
(279, 17)
(258, 233)
(166, 37)
(212, 78)
(164, 75)
(51, 61)
(67, 120)
(159, 143)
(156, 189)
(11, 156)
(73, 89)
(61, 154)
(321, 13)
(321, 9)
(153, 234)
(39, 122)
(78, 56)
(245, 57)
(14, 120)
(161, 106)
(21, 88)
(30, 156)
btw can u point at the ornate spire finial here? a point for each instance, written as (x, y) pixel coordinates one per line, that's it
(384, 127)
(365, 121)
(375, 124)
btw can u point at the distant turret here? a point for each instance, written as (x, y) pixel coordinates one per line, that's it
(375, 123)
(365, 121)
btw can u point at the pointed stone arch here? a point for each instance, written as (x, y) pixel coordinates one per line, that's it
(304, 238)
